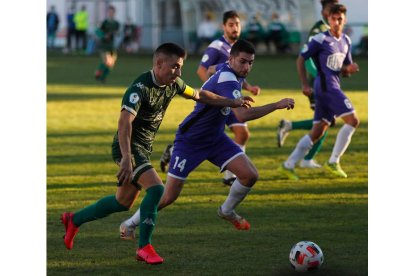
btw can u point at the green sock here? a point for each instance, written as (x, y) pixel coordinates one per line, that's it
(316, 147)
(148, 209)
(100, 209)
(305, 124)
(105, 72)
(101, 67)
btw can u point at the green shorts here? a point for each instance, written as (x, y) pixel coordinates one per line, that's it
(140, 162)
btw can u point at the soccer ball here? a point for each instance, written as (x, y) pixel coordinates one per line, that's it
(305, 256)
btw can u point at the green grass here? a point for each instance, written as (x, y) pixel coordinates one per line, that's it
(81, 120)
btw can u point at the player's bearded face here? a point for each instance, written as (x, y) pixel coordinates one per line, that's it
(241, 64)
(232, 29)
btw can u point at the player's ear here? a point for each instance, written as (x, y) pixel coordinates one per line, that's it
(158, 62)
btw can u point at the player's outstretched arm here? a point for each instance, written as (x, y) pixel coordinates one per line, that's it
(211, 98)
(254, 113)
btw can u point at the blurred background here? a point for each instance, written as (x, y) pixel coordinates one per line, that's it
(158, 21)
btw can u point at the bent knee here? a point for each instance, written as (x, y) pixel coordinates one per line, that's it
(249, 179)
(356, 123)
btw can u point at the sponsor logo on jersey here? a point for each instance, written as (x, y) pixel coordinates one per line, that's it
(204, 58)
(134, 98)
(237, 94)
(139, 85)
(335, 61)
(225, 111)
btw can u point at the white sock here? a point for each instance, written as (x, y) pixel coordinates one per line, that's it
(343, 138)
(134, 220)
(236, 195)
(302, 148)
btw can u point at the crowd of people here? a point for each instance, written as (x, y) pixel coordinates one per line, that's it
(77, 37)
(224, 67)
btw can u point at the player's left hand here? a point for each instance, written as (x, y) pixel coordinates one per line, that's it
(287, 103)
(349, 69)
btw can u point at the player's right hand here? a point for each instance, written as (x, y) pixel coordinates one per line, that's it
(124, 174)
(307, 90)
(244, 101)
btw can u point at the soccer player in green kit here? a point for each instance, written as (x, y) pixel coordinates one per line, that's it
(284, 125)
(142, 109)
(108, 53)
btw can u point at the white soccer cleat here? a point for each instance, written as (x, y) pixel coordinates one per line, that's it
(283, 131)
(310, 164)
(126, 232)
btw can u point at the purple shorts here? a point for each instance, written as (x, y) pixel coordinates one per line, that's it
(186, 156)
(331, 104)
(232, 121)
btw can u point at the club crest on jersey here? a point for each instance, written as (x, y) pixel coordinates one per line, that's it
(204, 58)
(237, 94)
(225, 111)
(346, 48)
(134, 98)
(304, 48)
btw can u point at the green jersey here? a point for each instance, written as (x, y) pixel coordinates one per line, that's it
(148, 102)
(108, 29)
(319, 27)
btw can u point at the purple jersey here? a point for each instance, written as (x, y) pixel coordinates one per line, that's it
(217, 52)
(205, 124)
(329, 54)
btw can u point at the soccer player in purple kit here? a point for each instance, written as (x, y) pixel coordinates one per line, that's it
(331, 51)
(201, 137)
(218, 52)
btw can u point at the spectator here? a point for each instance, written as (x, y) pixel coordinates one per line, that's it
(255, 31)
(206, 32)
(277, 34)
(52, 24)
(363, 43)
(71, 30)
(130, 36)
(81, 20)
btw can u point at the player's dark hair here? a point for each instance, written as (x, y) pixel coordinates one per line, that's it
(170, 49)
(338, 8)
(327, 2)
(242, 46)
(229, 14)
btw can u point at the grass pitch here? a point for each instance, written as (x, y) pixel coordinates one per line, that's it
(81, 121)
